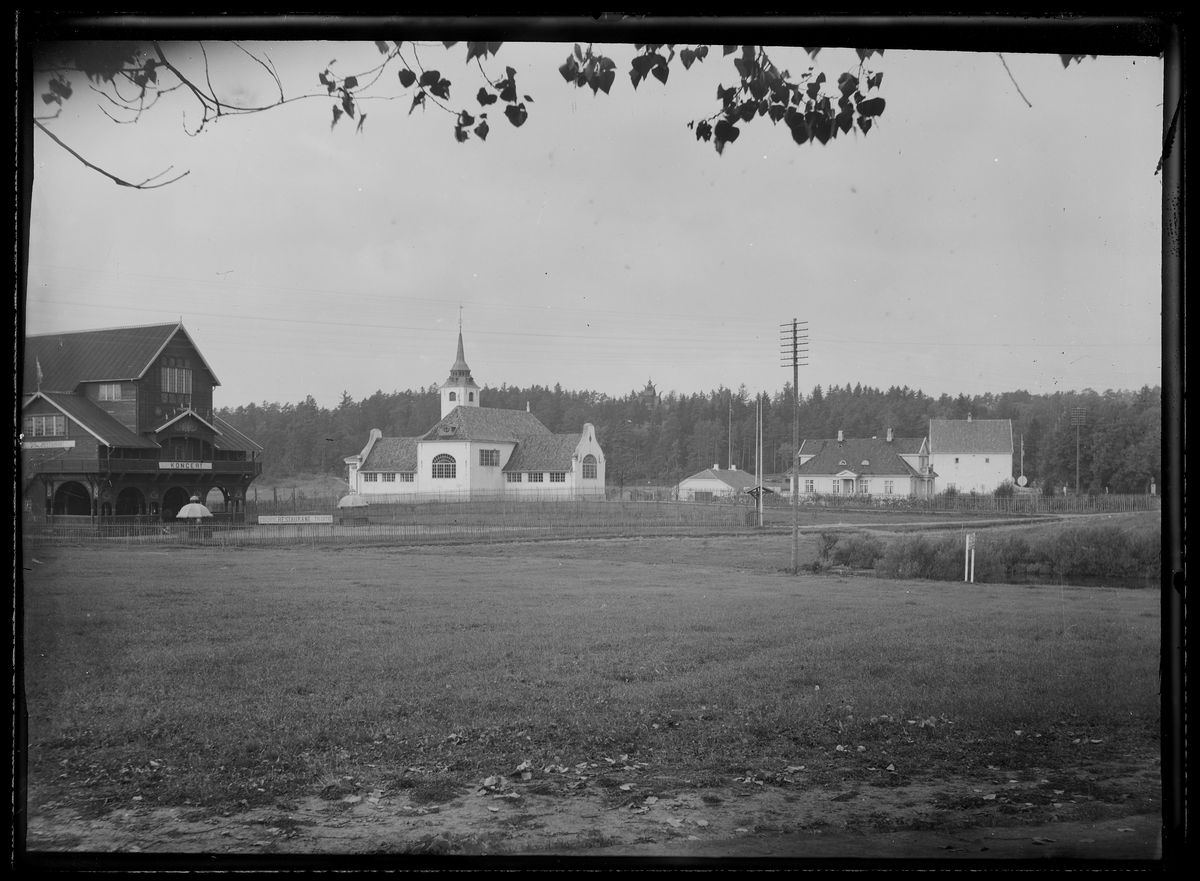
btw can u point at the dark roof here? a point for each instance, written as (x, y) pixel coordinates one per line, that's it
(91, 418)
(970, 436)
(907, 446)
(231, 438)
(486, 424)
(392, 454)
(882, 458)
(543, 452)
(730, 477)
(106, 355)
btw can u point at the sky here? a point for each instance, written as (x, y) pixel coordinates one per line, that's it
(971, 243)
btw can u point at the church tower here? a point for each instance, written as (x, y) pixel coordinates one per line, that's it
(460, 389)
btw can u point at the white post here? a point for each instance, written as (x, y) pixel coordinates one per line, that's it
(967, 559)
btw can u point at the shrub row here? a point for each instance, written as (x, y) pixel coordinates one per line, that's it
(1087, 551)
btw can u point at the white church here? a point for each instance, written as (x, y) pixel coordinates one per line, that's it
(478, 451)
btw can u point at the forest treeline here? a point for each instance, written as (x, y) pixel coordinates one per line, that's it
(662, 439)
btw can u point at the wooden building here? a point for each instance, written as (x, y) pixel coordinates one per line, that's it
(119, 424)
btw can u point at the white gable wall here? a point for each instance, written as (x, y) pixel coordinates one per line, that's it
(967, 472)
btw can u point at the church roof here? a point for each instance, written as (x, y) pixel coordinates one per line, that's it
(543, 452)
(391, 454)
(485, 424)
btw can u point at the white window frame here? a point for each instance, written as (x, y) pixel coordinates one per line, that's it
(37, 426)
(389, 476)
(110, 391)
(589, 467)
(888, 487)
(558, 477)
(444, 467)
(808, 486)
(489, 458)
(406, 476)
(370, 476)
(536, 477)
(512, 476)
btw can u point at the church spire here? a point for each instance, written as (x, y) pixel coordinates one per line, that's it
(460, 389)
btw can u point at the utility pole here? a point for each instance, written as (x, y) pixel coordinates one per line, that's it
(793, 340)
(1078, 418)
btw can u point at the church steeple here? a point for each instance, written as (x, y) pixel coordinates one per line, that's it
(460, 389)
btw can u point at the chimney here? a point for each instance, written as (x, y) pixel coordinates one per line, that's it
(839, 435)
(889, 436)
(717, 467)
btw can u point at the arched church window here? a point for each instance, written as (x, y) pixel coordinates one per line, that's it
(443, 465)
(589, 467)
(470, 396)
(453, 396)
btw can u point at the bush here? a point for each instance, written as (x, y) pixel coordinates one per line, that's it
(1004, 490)
(858, 552)
(940, 559)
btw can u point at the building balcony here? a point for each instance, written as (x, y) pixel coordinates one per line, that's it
(98, 465)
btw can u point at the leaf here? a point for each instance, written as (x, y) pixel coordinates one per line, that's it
(812, 53)
(407, 77)
(481, 130)
(337, 114)
(382, 47)
(729, 50)
(350, 82)
(661, 71)
(516, 115)
(871, 107)
(484, 97)
(419, 99)
(847, 83)
(687, 56)
(703, 131)
(449, 43)
(348, 104)
(429, 78)
(606, 80)
(441, 89)
(361, 119)
(569, 70)
(726, 133)
(864, 123)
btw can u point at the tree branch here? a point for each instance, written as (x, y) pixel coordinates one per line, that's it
(144, 185)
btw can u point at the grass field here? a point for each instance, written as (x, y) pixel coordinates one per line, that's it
(227, 677)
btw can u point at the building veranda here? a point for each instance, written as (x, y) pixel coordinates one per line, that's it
(117, 424)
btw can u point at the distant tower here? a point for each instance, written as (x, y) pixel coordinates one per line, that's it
(460, 389)
(650, 396)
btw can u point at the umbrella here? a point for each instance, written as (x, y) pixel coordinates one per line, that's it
(193, 510)
(354, 500)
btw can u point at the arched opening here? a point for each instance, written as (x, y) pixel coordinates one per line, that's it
(453, 396)
(173, 499)
(444, 466)
(130, 502)
(589, 467)
(73, 499)
(217, 500)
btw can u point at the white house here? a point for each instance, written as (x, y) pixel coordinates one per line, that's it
(712, 483)
(971, 455)
(892, 466)
(479, 451)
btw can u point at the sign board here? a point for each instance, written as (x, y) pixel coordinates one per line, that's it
(186, 466)
(271, 519)
(971, 541)
(47, 445)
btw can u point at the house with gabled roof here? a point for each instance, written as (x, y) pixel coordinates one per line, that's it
(890, 466)
(119, 423)
(971, 455)
(478, 451)
(714, 483)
